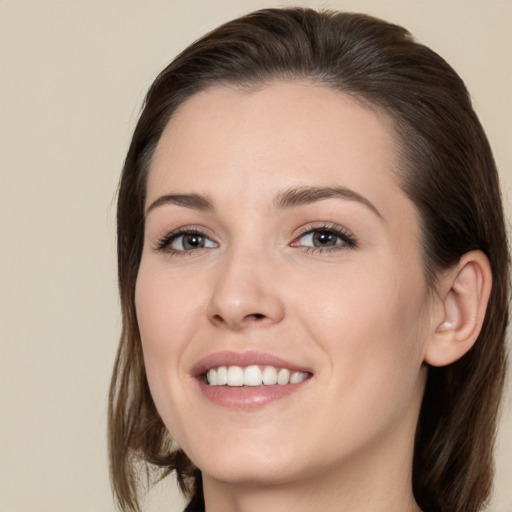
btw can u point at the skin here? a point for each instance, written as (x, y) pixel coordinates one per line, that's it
(360, 318)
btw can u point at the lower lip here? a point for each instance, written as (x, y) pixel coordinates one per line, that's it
(249, 397)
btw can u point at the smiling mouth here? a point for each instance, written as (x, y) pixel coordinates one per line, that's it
(252, 376)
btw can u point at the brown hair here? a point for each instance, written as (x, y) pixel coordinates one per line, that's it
(447, 171)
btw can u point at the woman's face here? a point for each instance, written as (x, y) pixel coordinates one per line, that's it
(277, 238)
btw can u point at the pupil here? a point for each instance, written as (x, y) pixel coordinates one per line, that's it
(324, 238)
(193, 241)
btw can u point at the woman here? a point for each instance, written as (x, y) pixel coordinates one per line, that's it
(313, 272)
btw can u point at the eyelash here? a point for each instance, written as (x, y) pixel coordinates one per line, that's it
(348, 239)
(164, 243)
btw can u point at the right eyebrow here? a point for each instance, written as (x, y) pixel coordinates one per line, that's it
(194, 201)
(300, 196)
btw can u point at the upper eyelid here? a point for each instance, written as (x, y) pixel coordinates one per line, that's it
(324, 226)
(185, 230)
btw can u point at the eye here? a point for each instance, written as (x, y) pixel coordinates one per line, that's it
(319, 239)
(185, 241)
(325, 239)
(190, 241)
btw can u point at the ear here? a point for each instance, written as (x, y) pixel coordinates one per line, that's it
(464, 294)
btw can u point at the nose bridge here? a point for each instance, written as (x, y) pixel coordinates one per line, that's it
(245, 289)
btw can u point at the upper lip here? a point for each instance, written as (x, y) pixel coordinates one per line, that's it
(229, 358)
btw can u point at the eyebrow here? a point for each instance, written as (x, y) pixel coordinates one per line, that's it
(300, 196)
(193, 201)
(290, 198)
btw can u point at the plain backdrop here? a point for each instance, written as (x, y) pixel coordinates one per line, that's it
(72, 78)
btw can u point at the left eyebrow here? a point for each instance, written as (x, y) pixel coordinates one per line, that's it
(193, 201)
(300, 196)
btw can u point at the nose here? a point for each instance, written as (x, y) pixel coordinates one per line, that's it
(245, 292)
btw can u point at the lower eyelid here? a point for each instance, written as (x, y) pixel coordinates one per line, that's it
(332, 248)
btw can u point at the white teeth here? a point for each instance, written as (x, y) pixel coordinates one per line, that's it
(269, 376)
(253, 375)
(235, 376)
(212, 377)
(222, 376)
(283, 377)
(295, 377)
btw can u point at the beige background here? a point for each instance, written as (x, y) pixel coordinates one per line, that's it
(72, 76)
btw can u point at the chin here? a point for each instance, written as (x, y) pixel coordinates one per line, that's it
(250, 463)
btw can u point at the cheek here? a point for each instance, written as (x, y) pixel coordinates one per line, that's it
(167, 319)
(153, 306)
(166, 308)
(167, 316)
(369, 321)
(370, 327)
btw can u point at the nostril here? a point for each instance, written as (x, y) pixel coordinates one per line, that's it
(255, 316)
(247, 318)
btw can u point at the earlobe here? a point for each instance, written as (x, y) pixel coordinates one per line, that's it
(465, 292)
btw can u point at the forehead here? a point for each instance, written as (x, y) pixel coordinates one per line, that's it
(286, 133)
